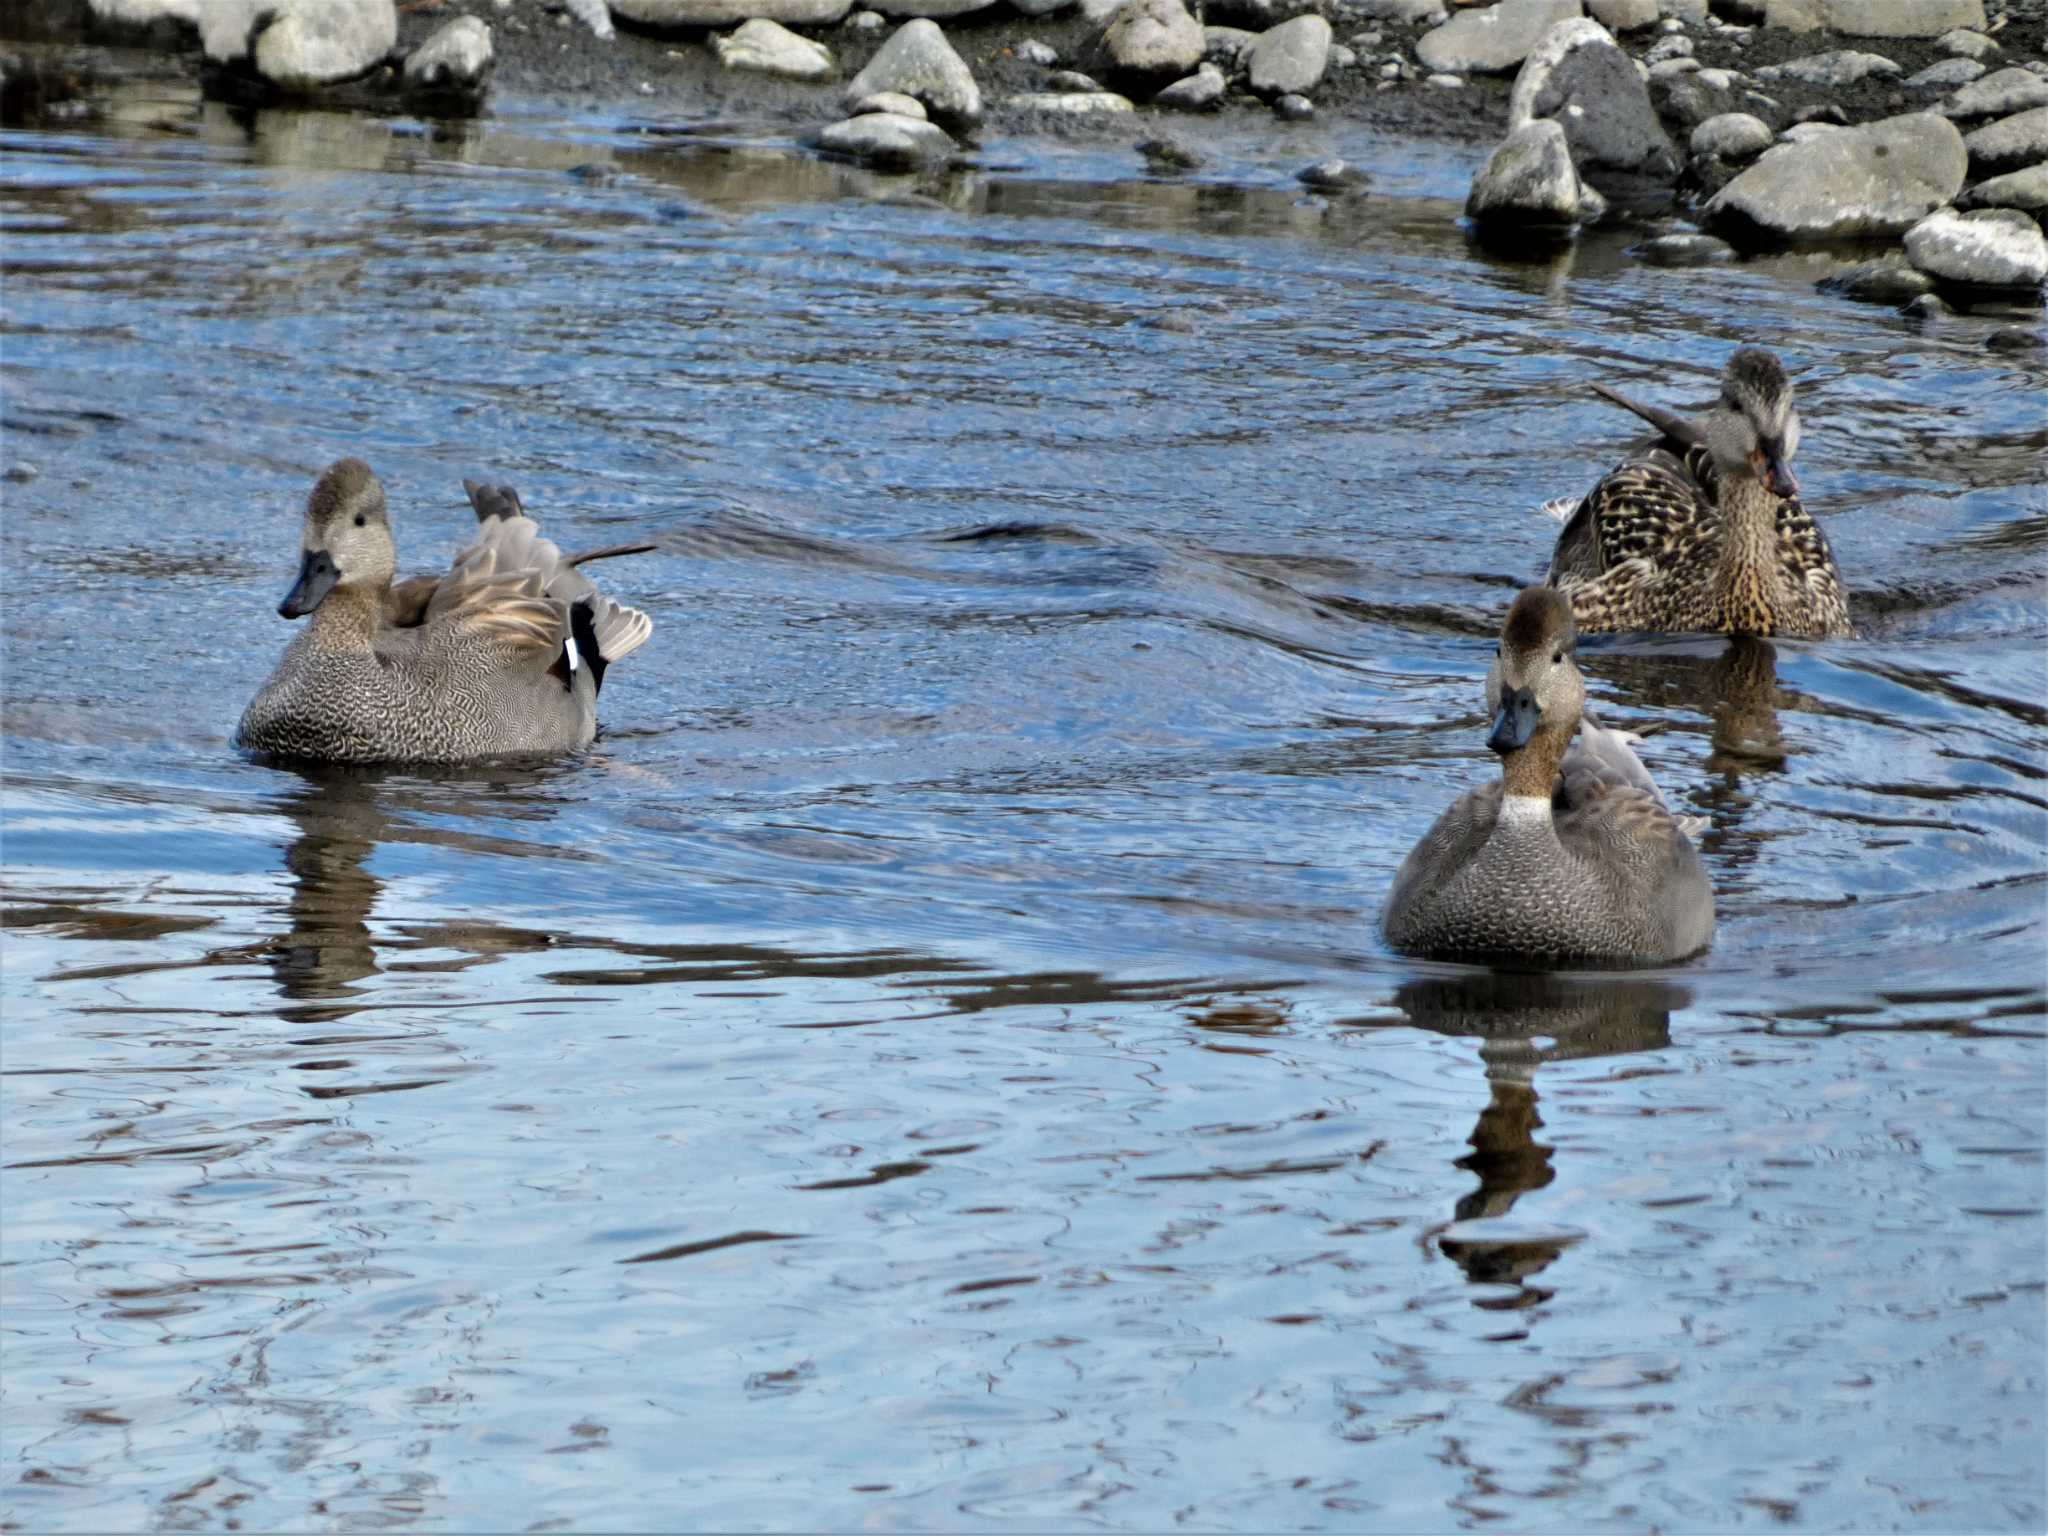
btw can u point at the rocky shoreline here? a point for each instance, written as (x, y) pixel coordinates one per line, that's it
(1922, 133)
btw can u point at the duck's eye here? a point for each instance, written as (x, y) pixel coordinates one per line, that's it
(1496, 650)
(361, 520)
(1556, 657)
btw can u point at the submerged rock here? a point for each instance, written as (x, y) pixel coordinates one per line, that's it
(1992, 248)
(1493, 40)
(1197, 93)
(1578, 77)
(2012, 338)
(1879, 179)
(1879, 282)
(1154, 39)
(769, 48)
(888, 141)
(1332, 175)
(2010, 144)
(917, 61)
(1529, 181)
(1683, 250)
(451, 70)
(1290, 57)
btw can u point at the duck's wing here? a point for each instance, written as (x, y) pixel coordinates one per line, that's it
(1643, 508)
(1459, 833)
(1600, 758)
(1807, 560)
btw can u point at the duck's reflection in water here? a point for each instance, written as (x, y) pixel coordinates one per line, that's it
(328, 949)
(1522, 1021)
(1736, 684)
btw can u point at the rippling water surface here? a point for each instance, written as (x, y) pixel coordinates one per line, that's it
(931, 1064)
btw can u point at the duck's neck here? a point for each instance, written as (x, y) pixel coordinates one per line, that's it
(346, 619)
(1529, 774)
(1749, 521)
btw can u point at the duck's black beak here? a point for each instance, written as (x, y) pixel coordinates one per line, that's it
(1516, 721)
(317, 575)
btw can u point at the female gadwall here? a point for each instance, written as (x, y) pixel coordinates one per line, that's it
(1571, 855)
(1704, 530)
(504, 654)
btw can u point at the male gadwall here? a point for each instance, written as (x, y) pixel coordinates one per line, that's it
(1704, 530)
(504, 654)
(1571, 855)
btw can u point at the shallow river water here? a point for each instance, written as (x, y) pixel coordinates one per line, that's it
(932, 1064)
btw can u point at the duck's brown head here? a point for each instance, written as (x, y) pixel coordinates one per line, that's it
(345, 541)
(1533, 687)
(1754, 429)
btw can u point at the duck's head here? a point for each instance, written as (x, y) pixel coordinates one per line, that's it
(1534, 685)
(1754, 429)
(346, 540)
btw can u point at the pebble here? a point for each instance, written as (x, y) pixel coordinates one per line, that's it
(884, 139)
(1927, 307)
(1676, 46)
(1293, 109)
(1332, 175)
(1664, 69)
(1843, 66)
(1448, 82)
(1197, 93)
(1947, 72)
(1032, 51)
(22, 473)
(1731, 136)
(1962, 44)
(1671, 25)
(1342, 57)
(1070, 80)
(1073, 103)
(1169, 154)
(1718, 79)
(1391, 70)
(888, 101)
(866, 21)
(1683, 250)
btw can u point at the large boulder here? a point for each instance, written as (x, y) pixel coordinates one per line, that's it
(918, 62)
(298, 45)
(1154, 40)
(1289, 57)
(2010, 144)
(1529, 181)
(1900, 18)
(1879, 179)
(723, 13)
(1578, 76)
(1494, 40)
(1999, 94)
(1991, 248)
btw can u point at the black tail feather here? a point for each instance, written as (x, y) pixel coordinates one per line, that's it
(583, 629)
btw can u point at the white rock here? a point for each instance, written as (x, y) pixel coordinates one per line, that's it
(889, 101)
(883, 139)
(1719, 79)
(1844, 66)
(1289, 57)
(1528, 180)
(942, 10)
(1075, 103)
(2011, 143)
(1999, 93)
(1947, 73)
(145, 13)
(1409, 11)
(1197, 93)
(1676, 46)
(769, 48)
(1032, 51)
(1899, 18)
(457, 58)
(723, 13)
(917, 61)
(1623, 15)
(1806, 133)
(1731, 136)
(1879, 179)
(1793, 15)
(1993, 248)
(1445, 82)
(302, 44)
(1156, 38)
(2027, 189)
(1664, 69)
(1493, 40)
(1962, 44)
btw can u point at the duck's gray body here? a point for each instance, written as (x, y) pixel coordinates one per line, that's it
(1600, 873)
(504, 655)
(1571, 855)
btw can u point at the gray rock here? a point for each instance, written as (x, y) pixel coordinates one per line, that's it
(1991, 248)
(1676, 46)
(2010, 144)
(1806, 133)
(1963, 44)
(1290, 57)
(1493, 40)
(1342, 57)
(1623, 15)
(1890, 283)
(1732, 136)
(867, 21)
(889, 101)
(1332, 176)
(1406, 11)
(918, 61)
(1528, 181)
(1578, 76)
(1155, 39)
(1929, 306)
(1446, 82)
(937, 10)
(1039, 7)
(454, 65)
(1793, 15)
(299, 45)
(1719, 79)
(1900, 18)
(1293, 109)
(1664, 69)
(1032, 51)
(1169, 154)
(769, 48)
(1197, 93)
(723, 13)
(1998, 94)
(1255, 15)
(2014, 338)
(1949, 72)
(1878, 179)
(1683, 250)
(2025, 189)
(1070, 80)
(1844, 66)
(1072, 103)
(1692, 13)
(1226, 45)
(888, 141)
(1687, 102)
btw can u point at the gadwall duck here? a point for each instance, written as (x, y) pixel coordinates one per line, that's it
(1704, 531)
(504, 654)
(1571, 855)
